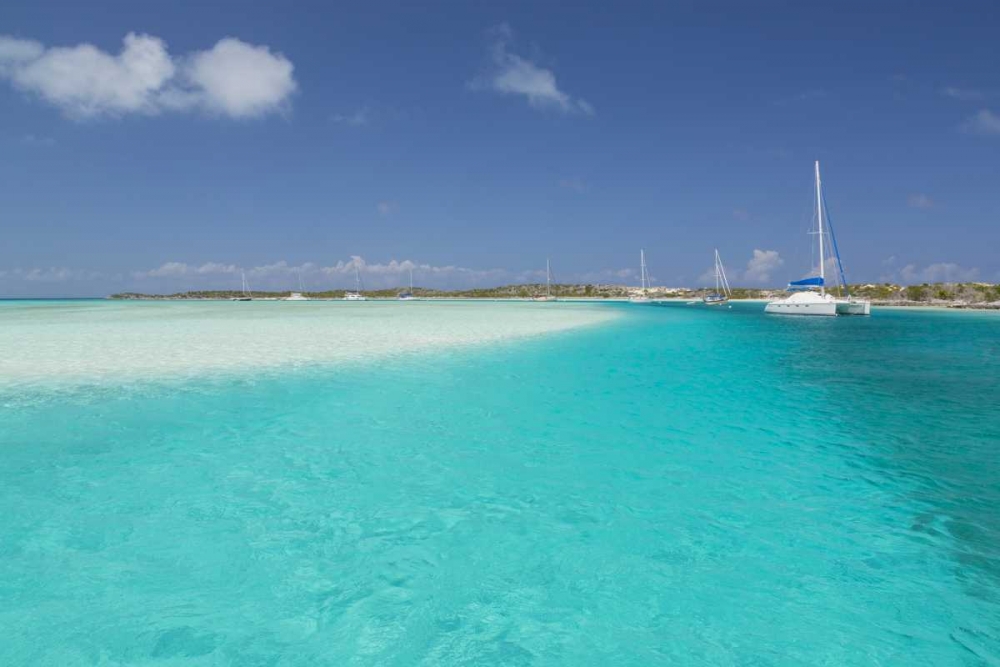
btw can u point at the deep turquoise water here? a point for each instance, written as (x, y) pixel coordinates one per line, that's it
(678, 486)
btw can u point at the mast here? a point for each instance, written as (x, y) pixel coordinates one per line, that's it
(717, 277)
(642, 268)
(357, 279)
(819, 214)
(411, 280)
(548, 279)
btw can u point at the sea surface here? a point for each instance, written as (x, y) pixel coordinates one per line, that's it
(496, 484)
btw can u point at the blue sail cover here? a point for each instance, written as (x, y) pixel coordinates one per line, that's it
(806, 283)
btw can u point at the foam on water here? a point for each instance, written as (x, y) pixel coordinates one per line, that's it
(70, 342)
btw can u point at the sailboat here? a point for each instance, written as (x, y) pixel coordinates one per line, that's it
(548, 284)
(245, 294)
(722, 292)
(408, 295)
(809, 295)
(644, 276)
(298, 296)
(356, 295)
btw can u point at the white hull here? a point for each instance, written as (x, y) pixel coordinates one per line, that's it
(351, 296)
(813, 303)
(783, 308)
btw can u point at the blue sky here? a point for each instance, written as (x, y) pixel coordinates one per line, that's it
(475, 139)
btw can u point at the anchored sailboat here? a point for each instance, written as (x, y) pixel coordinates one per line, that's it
(548, 284)
(300, 295)
(356, 295)
(408, 295)
(722, 292)
(245, 294)
(809, 295)
(643, 296)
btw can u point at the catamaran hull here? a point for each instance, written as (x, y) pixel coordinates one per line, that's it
(854, 308)
(816, 309)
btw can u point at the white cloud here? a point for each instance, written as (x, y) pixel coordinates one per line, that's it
(53, 274)
(939, 272)
(985, 122)
(574, 184)
(232, 78)
(386, 208)
(964, 94)
(358, 118)
(510, 74)
(178, 269)
(761, 265)
(741, 214)
(919, 200)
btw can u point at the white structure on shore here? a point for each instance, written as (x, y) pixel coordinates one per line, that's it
(809, 295)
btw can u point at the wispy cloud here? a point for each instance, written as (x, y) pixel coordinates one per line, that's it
(963, 94)
(804, 96)
(386, 208)
(919, 200)
(574, 184)
(233, 78)
(511, 74)
(52, 274)
(946, 272)
(761, 266)
(356, 119)
(741, 214)
(36, 140)
(985, 122)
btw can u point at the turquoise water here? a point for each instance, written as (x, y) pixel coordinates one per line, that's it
(677, 485)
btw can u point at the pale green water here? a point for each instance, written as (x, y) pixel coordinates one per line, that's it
(643, 485)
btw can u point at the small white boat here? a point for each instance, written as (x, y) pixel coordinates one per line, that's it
(548, 284)
(809, 295)
(356, 295)
(245, 294)
(722, 292)
(643, 296)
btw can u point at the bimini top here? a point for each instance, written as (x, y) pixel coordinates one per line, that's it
(805, 283)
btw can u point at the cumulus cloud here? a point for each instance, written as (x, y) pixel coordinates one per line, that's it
(510, 74)
(52, 274)
(178, 269)
(985, 122)
(919, 200)
(233, 78)
(761, 265)
(939, 272)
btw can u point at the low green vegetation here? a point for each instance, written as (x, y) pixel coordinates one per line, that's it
(958, 294)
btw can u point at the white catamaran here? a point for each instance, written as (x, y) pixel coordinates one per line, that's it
(643, 296)
(809, 296)
(356, 295)
(300, 295)
(722, 292)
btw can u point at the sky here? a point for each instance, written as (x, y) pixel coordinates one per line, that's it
(171, 146)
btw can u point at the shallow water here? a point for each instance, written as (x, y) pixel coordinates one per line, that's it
(667, 485)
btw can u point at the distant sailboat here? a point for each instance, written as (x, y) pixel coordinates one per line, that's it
(356, 295)
(548, 284)
(408, 295)
(245, 294)
(298, 296)
(643, 296)
(722, 292)
(809, 295)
